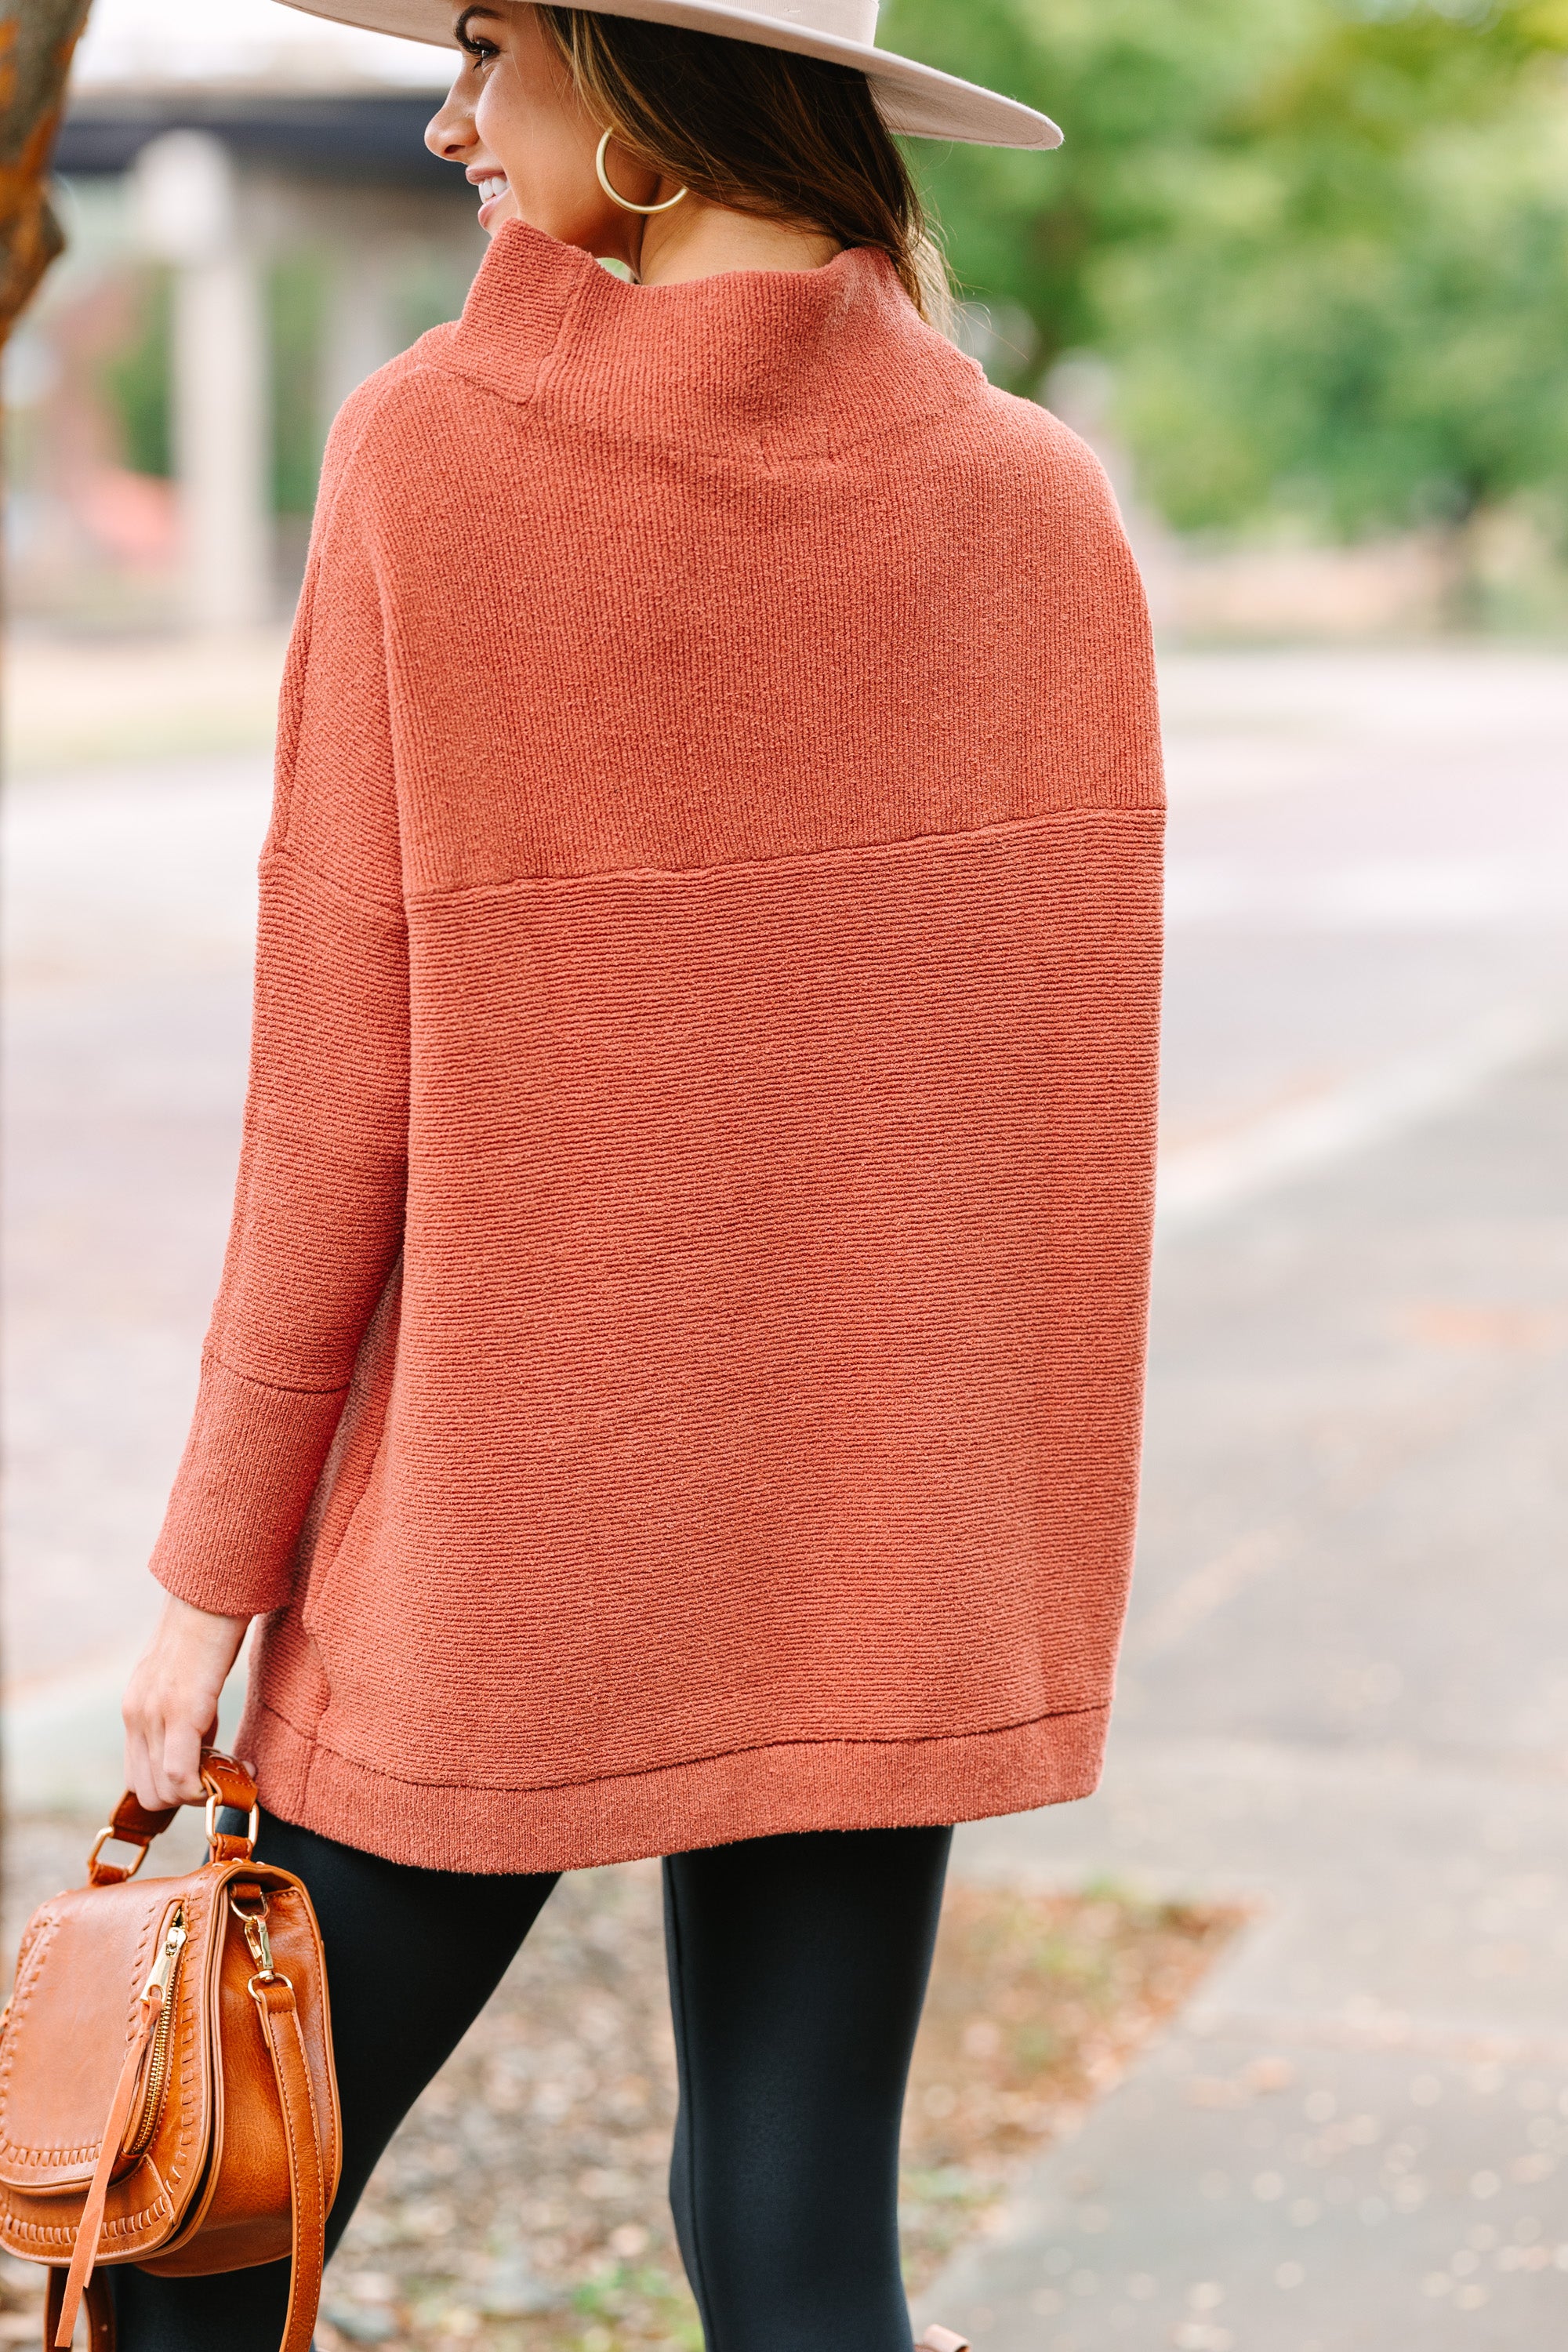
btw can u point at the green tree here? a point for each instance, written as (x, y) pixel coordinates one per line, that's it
(1326, 244)
(1360, 309)
(135, 378)
(1140, 87)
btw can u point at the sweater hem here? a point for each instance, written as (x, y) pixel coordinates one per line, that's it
(808, 1784)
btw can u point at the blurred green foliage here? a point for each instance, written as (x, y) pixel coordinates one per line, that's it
(137, 382)
(1325, 244)
(136, 379)
(296, 298)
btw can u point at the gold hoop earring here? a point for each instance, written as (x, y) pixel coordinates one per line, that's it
(624, 202)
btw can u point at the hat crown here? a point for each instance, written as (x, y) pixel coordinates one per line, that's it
(914, 100)
(846, 20)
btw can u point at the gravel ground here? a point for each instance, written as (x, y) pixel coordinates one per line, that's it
(522, 2207)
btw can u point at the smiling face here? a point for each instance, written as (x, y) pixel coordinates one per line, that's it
(514, 122)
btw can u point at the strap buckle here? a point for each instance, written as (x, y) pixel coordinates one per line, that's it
(216, 1837)
(111, 1872)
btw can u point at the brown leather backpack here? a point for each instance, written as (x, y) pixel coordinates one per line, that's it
(166, 2088)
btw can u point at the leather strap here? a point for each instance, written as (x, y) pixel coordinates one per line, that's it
(230, 1786)
(227, 1784)
(91, 2222)
(129, 1824)
(133, 1821)
(274, 1997)
(99, 2307)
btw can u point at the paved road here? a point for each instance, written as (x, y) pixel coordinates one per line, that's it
(1344, 1692)
(1345, 1696)
(1346, 1680)
(128, 925)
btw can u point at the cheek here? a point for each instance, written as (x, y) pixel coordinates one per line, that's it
(544, 153)
(500, 120)
(528, 142)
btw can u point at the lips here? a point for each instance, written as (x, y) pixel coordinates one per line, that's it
(490, 187)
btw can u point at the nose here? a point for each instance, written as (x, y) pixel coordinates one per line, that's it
(450, 132)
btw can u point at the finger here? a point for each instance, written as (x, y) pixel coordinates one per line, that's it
(138, 1774)
(182, 1762)
(140, 1743)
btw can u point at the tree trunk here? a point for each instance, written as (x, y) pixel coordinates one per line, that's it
(36, 37)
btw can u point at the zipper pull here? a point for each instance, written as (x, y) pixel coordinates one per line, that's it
(163, 1966)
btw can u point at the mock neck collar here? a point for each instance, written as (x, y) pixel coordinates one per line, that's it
(803, 359)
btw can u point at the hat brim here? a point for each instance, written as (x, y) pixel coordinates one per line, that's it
(914, 98)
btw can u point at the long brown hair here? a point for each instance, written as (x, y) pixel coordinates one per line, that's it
(758, 130)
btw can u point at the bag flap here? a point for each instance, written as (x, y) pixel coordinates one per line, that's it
(84, 1961)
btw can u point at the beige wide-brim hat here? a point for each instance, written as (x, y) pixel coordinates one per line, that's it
(911, 97)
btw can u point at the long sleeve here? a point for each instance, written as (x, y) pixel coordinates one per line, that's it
(317, 1215)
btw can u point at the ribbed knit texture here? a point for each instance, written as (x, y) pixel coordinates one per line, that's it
(702, 1114)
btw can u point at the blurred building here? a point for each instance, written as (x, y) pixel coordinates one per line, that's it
(255, 225)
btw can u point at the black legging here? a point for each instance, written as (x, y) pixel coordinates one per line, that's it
(797, 1968)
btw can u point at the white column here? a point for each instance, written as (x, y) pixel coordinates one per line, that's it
(361, 326)
(189, 215)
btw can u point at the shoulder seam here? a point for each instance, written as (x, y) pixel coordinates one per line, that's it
(1151, 818)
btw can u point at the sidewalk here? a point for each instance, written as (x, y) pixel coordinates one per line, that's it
(1345, 1695)
(71, 701)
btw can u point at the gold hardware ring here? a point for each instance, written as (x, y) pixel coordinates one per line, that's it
(213, 1833)
(119, 1837)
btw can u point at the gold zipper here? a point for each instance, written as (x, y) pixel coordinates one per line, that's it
(166, 1968)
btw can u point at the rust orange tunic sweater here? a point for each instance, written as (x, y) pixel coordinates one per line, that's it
(677, 1367)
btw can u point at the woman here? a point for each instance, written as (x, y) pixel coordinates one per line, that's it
(674, 1385)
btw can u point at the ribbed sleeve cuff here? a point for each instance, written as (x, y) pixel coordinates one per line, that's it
(250, 1467)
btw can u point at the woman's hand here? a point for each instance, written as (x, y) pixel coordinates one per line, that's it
(170, 1703)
